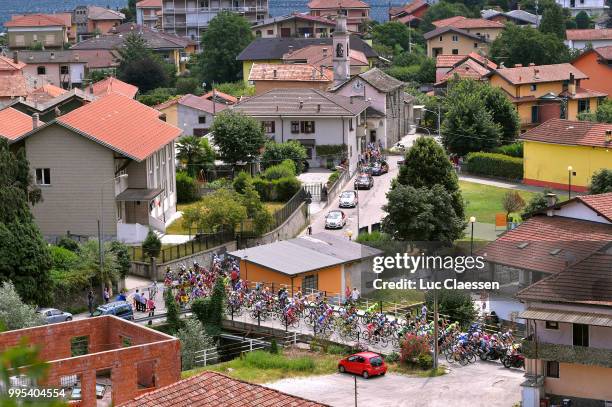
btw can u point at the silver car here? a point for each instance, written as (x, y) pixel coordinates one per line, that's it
(348, 199)
(335, 220)
(53, 315)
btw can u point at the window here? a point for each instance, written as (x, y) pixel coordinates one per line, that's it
(307, 127)
(350, 124)
(552, 369)
(20, 40)
(34, 37)
(126, 342)
(145, 374)
(79, 345)
(455, 38)
(475, 45)
(258, 33)
(534, 87)
(309, 283)
(440, 38)
(41, 70)
(49, 39)
(43, 176)
(269, 126)
(295, 127)
(202, 119)
(584, 105)
(455, 52)
(581, 335)
(270, 32)
(552, 325)
(64, 70)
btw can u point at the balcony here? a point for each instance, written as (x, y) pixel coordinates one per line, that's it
(568, 353)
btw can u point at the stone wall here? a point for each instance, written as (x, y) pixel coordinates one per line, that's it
(288, 230)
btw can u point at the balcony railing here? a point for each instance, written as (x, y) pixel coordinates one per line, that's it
(216, 9)
(568, 353)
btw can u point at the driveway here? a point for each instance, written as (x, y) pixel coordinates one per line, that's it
(486, 384)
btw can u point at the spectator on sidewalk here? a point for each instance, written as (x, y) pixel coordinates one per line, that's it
(106, 295)
(90, 302)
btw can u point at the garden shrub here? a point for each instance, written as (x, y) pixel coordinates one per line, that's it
(273, 347)
(282, 170)
(425, 361)
(338, 349)
(495, 165)
(263, 188)
(63, 258)
(285, 188)
(333, 178)
(392, 357)
(186, 188)
(241, 180)
(412, 347)
(68, 243)
(512, 150)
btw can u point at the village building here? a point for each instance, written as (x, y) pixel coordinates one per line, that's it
(588, 38)
(596, 63)
(194, 115)
(357, 12)
(62, 68)
(266, 77)
(94, 20)
(410, 14)
(38, 30)
(294, 25)
(148, 13)
(13, 83)
(518, 17)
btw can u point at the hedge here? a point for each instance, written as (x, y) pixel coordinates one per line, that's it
(281, 189)
(494, 165)
(512, 150)
(186, 188)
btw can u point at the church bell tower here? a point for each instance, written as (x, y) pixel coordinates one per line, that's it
(340, 36)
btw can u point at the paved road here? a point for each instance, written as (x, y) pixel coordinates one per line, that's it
(370, 203)
(485, 384)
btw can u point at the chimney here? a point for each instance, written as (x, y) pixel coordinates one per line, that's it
(608, 138)
(351, 99)
(290, 50)
(301, 104)
(314, 73)
(52, 55)
(536, 74)
(35, 121)
(91, 90)
(518, 65)
(551, 200)
(16, 57)
(318, 107)
(324, 52)
(571, 87)
(274, 73)
(531, 64)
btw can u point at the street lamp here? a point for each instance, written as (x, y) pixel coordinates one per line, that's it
(569, 181)
(101, 223)
(472, 221)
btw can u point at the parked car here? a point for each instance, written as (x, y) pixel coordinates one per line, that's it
(335, 220)
(348, 199)
(398, 147)
(380, 168)
(364, 181)
(120, 309)
(365, 364)
(53, 315)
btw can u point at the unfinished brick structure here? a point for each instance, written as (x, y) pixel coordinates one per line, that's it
(138, 359)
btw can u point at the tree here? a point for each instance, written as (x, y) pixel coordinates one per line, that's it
(193, 340)
(188, 85)
(186, 187)
(238, 137)
(525, 45)
(210, 310)
(468, 124)
(275, 153)
(172, 312)
(512, 202)
(458, 305)
(220, 211)
(583, 21)
(535, 204)
(89, 261)
(553, 22)
(394, 35)
(443, 10)
(130, 11)
(152, 244)
(195, 153)
(156, 97)
(24, 256)
(120, 250)
(423, 214)
(426, 165)
(603, 114)
(138, 65)
(601, 182)
(503, 112)
(14, 313)
(262, 219)
(227, 35)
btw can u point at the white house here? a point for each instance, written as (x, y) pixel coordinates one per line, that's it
(592, 38)
(196, 114)
(313, 118)
(591, 7)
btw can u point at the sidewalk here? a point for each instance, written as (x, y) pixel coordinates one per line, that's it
(506, 184)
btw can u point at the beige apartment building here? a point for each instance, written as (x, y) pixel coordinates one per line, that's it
(454, 41)
(294, 25)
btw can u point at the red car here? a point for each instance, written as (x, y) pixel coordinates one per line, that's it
(365, 364)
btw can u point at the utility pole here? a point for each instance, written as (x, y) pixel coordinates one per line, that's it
(355, 377)
(409, 38)
(439, 121)
(435, 322)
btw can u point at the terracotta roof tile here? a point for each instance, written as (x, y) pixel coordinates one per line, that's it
(114, 85)
(321, 55)
(289, 72)
(588, 282)
(7, 64)
(14, 123)
(468, 69)
(414, 6)
(13, 86)
(448, 61)
(583, 93)
(220, 95)
(464, 23)
(122, 124)
(589, 35)
(201, 103)
(149, 3)
(211, 389)
(35, 20)
(540, 73)
(530, 245)
(484, 61)
(604, 52)
(568, 132)
(166, 104)
(449, 28)
(336, 4)
(407, 18)
(45, 93)
(600, 203)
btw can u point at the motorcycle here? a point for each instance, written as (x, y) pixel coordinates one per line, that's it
(513, 360)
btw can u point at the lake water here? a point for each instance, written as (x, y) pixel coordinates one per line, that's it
(277, 7)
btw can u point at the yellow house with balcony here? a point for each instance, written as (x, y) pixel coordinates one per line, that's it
(544, 92)
(560, 152)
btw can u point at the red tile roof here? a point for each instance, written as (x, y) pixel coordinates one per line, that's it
(14, 123)
(587, 282)
(539, 238)
(149, 3)
(484, 61)
(604, 52)
(600, 203)
(414, 6)
(202, 104)
(465, 23)
(122, 124)
(7, 64)
(220, 95)
(568, 132)
(45, 93)
(407, 18)
(583, 93)
(166, 104)
(13, 86)
(540, 73)
(335, 5)
(289, 72)
(468, 69)
(114, 85)
(35, 20)
(448, 61)
(589, 35)
(211, 389)
(316, 56)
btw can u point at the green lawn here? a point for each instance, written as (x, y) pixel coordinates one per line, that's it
(177, 228)
(484, 201)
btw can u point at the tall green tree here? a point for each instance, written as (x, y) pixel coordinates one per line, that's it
(14, 313)
(24, 256)
(275, 153)
(227, 35)
(502, 111)
(583, 21)
(441, 10)
(525, 45)
(238, 137)
(395, 35)
(138, 65)
(553, 22)
(601, 182)
(193, 340)
(427, 165)
(603, 114)
(195, 153)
